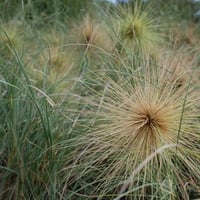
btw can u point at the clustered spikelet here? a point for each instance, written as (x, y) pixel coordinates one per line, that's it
(134, 117)
(90, 33)
(137, 29)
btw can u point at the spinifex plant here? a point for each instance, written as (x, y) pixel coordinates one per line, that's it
(89, 32)
(142, 142)
(136, 29)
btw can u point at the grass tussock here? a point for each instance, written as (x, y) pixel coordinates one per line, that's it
(90, 34)
(137, 30)
(132, 121)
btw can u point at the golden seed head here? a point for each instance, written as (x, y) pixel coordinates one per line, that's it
(132, 122)
(132, 29)
(89, 31)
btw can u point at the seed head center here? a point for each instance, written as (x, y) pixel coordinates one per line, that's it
(149, 120)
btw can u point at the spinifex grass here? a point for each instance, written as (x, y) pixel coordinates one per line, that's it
(135, 116)
(130, 132)
(136, 29)
(89, 33)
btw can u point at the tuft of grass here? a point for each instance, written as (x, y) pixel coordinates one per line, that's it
(90, 34)
(136, 29)
(129, 121)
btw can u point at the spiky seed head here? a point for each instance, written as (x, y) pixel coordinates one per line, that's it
(89, 31)
(137, 29)
(133, 118)
(132, 29)
(91, 34)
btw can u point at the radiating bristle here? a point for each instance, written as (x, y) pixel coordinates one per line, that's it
(134, 121)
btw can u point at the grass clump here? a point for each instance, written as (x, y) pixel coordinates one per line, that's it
(90, 35)
(137, 29)
(133, 119)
